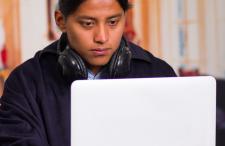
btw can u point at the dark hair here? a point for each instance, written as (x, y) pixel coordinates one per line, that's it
(67, 7)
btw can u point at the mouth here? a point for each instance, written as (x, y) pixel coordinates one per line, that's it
(100, 51)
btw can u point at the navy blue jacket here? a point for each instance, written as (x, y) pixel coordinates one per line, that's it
(35, 106)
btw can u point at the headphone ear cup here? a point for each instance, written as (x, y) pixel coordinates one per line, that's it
(120, 62)
(72, 65)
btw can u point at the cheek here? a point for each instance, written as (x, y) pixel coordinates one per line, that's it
(116, 38)
(119, 31)
(77, 38)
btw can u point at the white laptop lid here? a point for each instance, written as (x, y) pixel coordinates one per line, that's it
(144, 112)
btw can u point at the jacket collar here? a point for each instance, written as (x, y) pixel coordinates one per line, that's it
(139, 53)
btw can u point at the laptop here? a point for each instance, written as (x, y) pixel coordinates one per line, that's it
(176, 111)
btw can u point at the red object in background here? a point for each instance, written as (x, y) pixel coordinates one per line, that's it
(130, 34)
(188, 72)
(4, 56)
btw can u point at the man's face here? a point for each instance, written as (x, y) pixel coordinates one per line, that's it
(95, 29)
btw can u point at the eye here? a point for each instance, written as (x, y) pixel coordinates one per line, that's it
(87, 24)
(113, 22)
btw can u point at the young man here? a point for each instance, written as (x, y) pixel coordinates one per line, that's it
(35, 106)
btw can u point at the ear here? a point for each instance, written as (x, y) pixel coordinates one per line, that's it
(60, 20)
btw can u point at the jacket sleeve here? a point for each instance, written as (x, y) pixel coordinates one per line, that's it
(20, 119)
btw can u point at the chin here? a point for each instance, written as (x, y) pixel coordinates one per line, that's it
(99, 62)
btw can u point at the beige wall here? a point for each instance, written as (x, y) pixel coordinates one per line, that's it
(33, 27)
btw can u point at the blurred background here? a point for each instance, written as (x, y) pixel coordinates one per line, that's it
(188, 34)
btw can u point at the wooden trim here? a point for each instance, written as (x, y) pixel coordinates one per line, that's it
(159, 46)
(217, 31)
(145, 24)
(52, 34)
(171, 28)
(186, 51)
(202, 34)
(154, 27)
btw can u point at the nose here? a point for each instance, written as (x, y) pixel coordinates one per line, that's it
(101, 34)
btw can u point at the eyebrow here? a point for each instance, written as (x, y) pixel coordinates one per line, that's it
(114, 16)
(93, 18)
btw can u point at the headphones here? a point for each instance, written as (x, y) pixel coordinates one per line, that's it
(73, 66)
